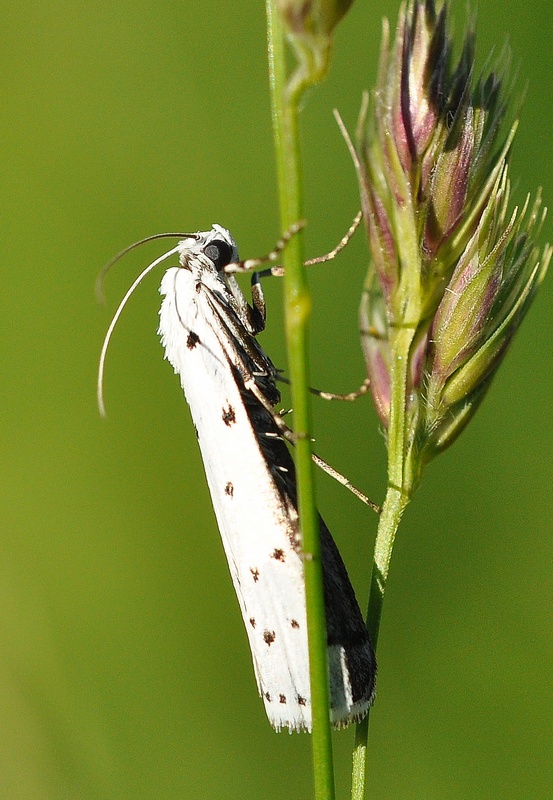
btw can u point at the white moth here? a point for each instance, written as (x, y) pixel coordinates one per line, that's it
(208, 331)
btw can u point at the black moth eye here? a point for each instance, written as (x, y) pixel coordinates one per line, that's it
(219, 252)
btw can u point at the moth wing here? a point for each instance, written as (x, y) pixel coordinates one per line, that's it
(258, 527)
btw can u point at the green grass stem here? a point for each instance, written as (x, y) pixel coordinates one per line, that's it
(297, 303)
(397, 498)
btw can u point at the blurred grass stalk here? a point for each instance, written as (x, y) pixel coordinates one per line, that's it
(452, 273)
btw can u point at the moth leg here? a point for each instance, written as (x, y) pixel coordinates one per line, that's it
(278, 271)
(292, 437)
(259, 309)
(363, 389)
(285, 431)
(341, 244)
(251, 264)
(256, 315)
(345, 482)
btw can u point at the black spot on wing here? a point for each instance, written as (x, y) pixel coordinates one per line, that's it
(278, 554)
(269, 637)
(229, 415)
(229, 489)
(294, 623)
(282, 699)
(255, 574)
(192, 340)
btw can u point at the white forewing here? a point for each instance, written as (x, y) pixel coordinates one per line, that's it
(258, 527)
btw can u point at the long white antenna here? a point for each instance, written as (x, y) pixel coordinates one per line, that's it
(113, 323)
(99, 285)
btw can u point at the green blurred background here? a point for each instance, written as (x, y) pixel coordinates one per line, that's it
(124, 669)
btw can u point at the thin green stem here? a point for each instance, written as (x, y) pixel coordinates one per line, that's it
(297, 312)
(397, 498)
